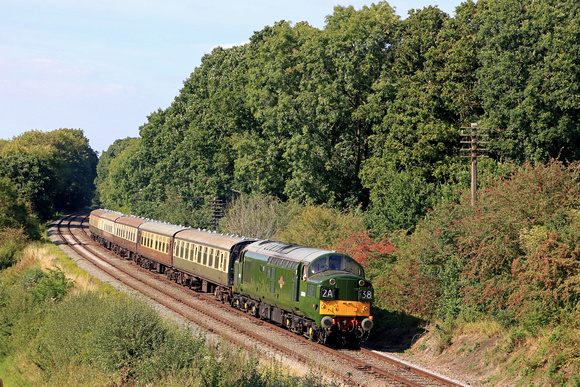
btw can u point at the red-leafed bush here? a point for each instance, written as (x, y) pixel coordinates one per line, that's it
(363, 248)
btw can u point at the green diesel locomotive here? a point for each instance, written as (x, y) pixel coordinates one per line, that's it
(318, 293)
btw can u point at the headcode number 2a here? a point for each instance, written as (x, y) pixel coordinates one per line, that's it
(327, 293)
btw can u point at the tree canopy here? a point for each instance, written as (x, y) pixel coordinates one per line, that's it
(365, 111)
(52, 171)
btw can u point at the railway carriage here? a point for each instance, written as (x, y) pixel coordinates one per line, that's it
(155, 245)
(103, 223)
(127, 236)
(94, 219)
(209, 258)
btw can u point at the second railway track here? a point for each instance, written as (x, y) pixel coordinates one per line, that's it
(355, 367)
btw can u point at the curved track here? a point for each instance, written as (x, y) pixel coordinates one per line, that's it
(360, 367)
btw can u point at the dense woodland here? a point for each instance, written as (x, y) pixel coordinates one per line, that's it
(365, 112)
(348, 138)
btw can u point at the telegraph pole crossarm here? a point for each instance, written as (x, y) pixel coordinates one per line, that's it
(474, 140)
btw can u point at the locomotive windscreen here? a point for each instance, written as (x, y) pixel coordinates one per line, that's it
(335, 262)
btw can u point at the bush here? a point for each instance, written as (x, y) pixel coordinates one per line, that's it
(8, 252)
(80, 315)
(255, 216)
(322, 227)
(128, 333)
(513, 255)
(47, 286)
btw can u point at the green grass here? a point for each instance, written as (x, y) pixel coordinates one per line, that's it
(52, 334)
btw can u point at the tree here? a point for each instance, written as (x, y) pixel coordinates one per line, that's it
(15, 214)
(112, 177)
(54, 171)
(529, 78)
(415, 145)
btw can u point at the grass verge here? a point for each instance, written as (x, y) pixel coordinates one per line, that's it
(60, 326)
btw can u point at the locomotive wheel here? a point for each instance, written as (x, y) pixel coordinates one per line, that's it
(322, 336)
(312, 334)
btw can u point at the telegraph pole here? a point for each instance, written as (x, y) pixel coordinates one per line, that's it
(473, 137)
(218, 212)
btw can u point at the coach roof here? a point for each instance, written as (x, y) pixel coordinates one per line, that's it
(161, 228)
(209, 238)
(131, 221)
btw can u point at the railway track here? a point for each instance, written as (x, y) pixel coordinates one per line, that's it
(361, 367)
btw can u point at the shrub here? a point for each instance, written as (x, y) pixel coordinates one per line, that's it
(7, 254)
(366, 250)
(514, 255)
(255, 216)
(128, 332)
(12, 240)
(80, 315)
(47, 286)
(322, 227)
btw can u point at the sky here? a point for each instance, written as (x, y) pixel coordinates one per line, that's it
(104, 66)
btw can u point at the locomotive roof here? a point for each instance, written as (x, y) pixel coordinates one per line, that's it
(209, 238)
(288, 251)
(161, 228)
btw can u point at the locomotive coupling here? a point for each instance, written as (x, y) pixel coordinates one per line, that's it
(326, 322)
(367, 324)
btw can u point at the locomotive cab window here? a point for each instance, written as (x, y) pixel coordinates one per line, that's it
(335, 262)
